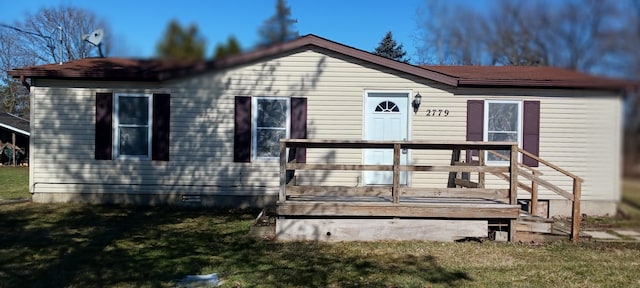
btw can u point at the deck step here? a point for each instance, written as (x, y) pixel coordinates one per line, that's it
(534, 224)
(534, 227)
(524, 216)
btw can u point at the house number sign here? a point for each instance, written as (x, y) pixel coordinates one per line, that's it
(437, 112)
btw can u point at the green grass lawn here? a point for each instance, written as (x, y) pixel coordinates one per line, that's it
(72, 245)
(14, 182)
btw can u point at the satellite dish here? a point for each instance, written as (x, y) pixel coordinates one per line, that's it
(95, 38)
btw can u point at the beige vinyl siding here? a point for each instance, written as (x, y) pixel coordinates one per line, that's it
(580, 132)
(201, 152)
(336, 112)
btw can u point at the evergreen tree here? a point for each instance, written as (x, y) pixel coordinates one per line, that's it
(279, 27)
(180, 43)
(390, 49)
(223, 50)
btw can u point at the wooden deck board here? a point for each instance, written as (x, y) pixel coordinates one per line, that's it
(388, 199)
(411, 207)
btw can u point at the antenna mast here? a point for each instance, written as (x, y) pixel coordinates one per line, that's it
(50, 40)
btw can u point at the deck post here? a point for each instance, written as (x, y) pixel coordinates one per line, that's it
(533, 207)
(283, 171)
(513, 188)
(455, 158)
(395, 191)
(13, 148)
(481, 160)
(575, 213)
(513, 175)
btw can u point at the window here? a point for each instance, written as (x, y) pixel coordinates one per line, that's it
(245, 126)
(528, 136)
(270, 123)
(387, 106)
(132, 123)
(128, 125)
(503, 123)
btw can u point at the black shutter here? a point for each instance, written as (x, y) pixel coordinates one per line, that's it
(242, 129)
(299, 125)
(475, 124)
(104, 126)
(531, 131)
(160, 130)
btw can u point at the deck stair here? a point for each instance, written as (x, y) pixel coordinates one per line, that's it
(540, 229)
(531, 228)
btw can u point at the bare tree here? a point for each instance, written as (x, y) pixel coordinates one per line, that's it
(581, 35)
(630, 41)
(513, 35)
(54, 34)
(631, 68)
(50, 35)
(430, 48)
(449, 36)
(14, 97)
(466, 40)
(587, 32)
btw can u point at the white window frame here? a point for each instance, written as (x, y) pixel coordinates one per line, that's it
(254, 125)
(116, 126)
(486, 128)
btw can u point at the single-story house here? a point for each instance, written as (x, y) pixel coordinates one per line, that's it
(159, 131)
(14, 139)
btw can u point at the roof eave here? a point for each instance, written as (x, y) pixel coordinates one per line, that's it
(14, 129)
(315, 41)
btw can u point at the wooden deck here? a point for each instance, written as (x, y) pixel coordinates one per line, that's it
(462, 209)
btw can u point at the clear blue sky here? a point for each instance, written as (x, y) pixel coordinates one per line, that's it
(138, 25)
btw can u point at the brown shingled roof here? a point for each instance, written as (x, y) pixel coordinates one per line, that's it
(112, 69)
(120, 69)
(530, 76)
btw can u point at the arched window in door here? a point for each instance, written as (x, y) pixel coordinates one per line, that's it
(387, 106)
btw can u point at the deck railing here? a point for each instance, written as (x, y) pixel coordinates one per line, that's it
(509, 173)
(534, 175)
(574, 196)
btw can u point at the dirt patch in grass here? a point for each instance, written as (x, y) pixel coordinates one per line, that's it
(118, 246)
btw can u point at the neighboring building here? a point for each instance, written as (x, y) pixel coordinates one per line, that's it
(14, 139)
(158, 131)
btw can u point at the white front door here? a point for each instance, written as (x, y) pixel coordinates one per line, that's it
(386, 118)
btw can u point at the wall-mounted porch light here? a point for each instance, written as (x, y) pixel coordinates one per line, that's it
(416, 102)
